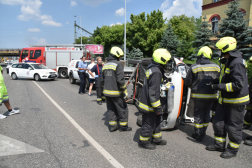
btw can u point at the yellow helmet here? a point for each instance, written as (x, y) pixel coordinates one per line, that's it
(206, 52)
(226, 44)
(116, 51)
(161, 56)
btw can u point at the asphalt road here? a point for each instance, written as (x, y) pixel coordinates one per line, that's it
(58, 143)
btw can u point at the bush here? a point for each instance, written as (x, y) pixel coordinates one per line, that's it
(249, 71)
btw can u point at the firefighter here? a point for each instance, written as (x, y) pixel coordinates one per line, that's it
(98, 71)
(114, 87)
(248, 115)
(233, 96)
(200, 74)
(150, 105)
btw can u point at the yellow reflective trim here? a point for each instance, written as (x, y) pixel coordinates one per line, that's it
(99, 99)
(220, 139)
(198, 125)
(123, 87)
(227, 71)
(222, 72)
(236, 100)
(157, 135)
(103, 97)
(112, 123)
(112, 92)
(205, 124)
(229, 87)
(246, 123)
(156, 104)
(123, 123)
(199, 69)
(205, 96)
(144, 138)
(233, 145)
(145, 107)
(113, 67)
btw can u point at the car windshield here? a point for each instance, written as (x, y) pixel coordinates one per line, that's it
(39, 66)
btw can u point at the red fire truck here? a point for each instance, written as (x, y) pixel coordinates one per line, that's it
(56, 58)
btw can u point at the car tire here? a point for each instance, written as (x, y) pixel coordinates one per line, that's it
(87, 83)
(14, 76)
(37, 77)
(7, 71)
(63, 73)
(71, 79)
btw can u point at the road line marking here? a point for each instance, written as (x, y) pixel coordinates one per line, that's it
(110, 158)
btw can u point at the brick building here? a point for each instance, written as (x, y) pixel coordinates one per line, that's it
(214, 11)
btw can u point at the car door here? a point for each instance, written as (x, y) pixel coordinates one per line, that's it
(28, 71)
(19, 70)
(75, 71)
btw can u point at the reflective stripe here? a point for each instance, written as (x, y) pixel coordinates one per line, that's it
(157, 135)
(99, 99)
(206, 96)
(123, 123)
(108, 67)
(227, 71)
(236, 100)
(156, 104)
(233, 145)
(205, 124)
(103, 97)
(112, 123)
(198, 125)
(229, 87)
(246, 123)
(206, 69)
(112, 92)
(123, 87)
(222, 72)
(144, 138)
(145, 107)
(213, 113)
(148, 73)
(220, 139)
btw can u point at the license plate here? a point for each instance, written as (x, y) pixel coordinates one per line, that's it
(53, 75)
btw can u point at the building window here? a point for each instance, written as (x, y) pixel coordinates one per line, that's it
(216, 1)
(215, 24)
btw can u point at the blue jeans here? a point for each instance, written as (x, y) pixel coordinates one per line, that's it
(82, 76)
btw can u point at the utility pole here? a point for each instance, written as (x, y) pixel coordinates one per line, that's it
(75, 34)
(125, 36)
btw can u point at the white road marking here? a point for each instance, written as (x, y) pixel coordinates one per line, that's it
(110, 158)
(9, 146)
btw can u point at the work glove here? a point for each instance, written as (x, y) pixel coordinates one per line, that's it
(214, 86)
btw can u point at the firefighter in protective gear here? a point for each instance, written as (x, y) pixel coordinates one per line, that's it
(150, 104)
(248, 116)
(233, 96)
(198, 78)
(114, 85)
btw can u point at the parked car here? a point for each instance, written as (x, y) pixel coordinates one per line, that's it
(34, 71)
(73, 72)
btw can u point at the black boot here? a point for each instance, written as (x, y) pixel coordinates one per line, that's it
(148, 146)
(245, 127)
(227, 155)
(248, 141)
(162, 142)
(99, 102)
(113, 128)
(198, 137)
(214, 148)
(125, 129)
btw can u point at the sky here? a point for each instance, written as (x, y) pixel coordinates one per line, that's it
(27, 22)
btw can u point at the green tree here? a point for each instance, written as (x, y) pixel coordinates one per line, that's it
(236, 26)
(145, 31)
(169, 41)
(202, 37)
(184, 49)
(135, 53)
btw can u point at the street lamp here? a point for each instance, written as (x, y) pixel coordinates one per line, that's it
(125, 36)
(81, 30)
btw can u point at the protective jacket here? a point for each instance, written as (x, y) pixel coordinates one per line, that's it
(233, 81)
(199, 76)
(113, 77)
(150, 96)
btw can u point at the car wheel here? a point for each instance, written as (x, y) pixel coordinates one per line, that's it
(87, 83)
(14, 76)
(63, 73)
(37, 77)
(71, 79)
(7, 70)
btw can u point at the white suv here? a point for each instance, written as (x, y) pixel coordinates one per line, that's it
(73, 72)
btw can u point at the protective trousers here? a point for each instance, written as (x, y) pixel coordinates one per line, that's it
(117, 111)
(99, 89)
(150, 128)
(202, 118)
(248, 116)
(82, 76)
(228, 120)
